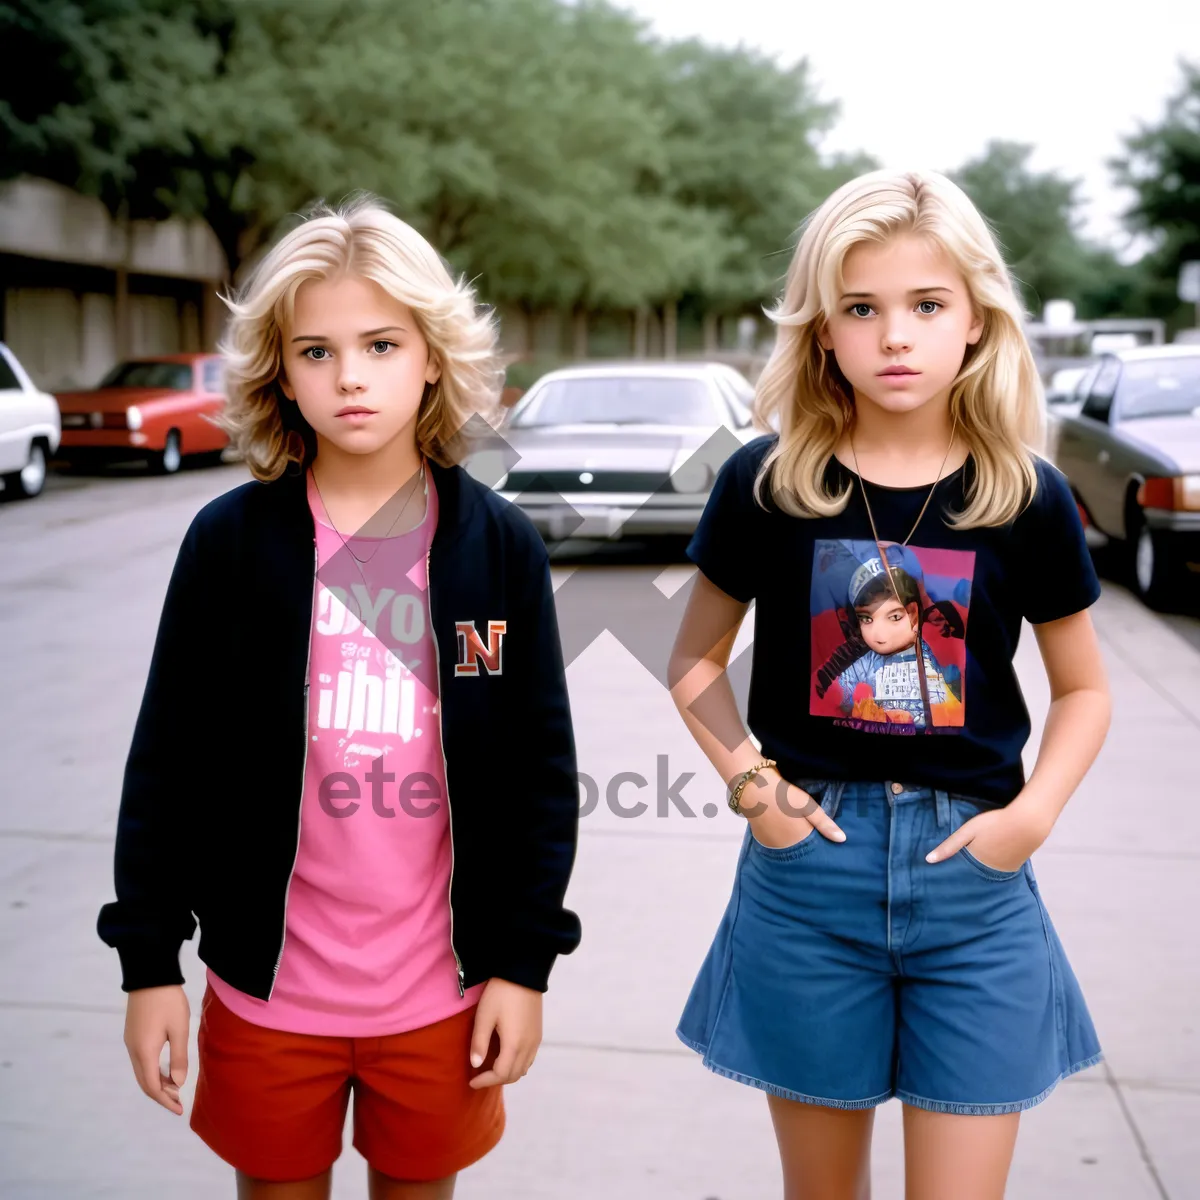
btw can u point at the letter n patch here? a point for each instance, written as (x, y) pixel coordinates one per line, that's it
(472, 651)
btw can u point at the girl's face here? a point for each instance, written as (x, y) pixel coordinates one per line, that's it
(889, 627)
(903, 304)
(356, 363)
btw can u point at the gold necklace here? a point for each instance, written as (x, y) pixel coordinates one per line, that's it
(887, 566)
(867, 503)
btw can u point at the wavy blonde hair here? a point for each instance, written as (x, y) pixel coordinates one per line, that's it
(997, 395)
(362, 238)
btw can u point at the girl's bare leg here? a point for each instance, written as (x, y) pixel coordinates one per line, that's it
(381, 1187)
(948, 1156)
(317, 1188)
(825, 1152)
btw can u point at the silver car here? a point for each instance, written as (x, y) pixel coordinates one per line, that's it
(621, 450)
(1132, 456)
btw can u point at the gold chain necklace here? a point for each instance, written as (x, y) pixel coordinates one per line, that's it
(867, 503)
(887, 566)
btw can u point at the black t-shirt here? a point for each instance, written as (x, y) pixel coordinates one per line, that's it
(835, 689)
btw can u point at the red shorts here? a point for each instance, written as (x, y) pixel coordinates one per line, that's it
(273, 1104)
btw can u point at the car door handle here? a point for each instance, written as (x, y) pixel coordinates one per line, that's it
(1103, 456)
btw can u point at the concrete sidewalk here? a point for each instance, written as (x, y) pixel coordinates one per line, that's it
(615, 1105)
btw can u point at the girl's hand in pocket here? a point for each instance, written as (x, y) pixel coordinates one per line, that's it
(782, 815)
(1002, 839)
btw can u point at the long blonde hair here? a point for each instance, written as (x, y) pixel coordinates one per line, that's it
(997, 395)
(359, 237)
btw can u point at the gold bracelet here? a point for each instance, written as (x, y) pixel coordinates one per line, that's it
(735, 797)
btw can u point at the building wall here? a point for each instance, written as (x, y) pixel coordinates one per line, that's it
(40, 219)
(61, 320)
(62, 261)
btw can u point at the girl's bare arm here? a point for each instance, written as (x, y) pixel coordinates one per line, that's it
(1076, 725)
(1078, 720)
(704, 697)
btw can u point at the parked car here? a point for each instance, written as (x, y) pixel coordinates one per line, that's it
(1132, 456)
(614, 450)
(152, 408)
(29, 429)
(1063, 399)
(1062, 392)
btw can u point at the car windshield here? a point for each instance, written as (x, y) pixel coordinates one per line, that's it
(176, 376)
(1159, 387)
(621, 400)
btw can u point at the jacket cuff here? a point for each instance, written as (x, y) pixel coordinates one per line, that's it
(533, 975)
(148, 964)
(527, 958)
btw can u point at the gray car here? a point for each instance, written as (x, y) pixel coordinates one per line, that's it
(1132, 456)
(620, 450)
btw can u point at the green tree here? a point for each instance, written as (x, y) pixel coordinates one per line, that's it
(1033, 215)
(105, 105)
(239, 113)
(1162, 168)
(516, 133)
(740, 147)
(547, 104)
(555, 152)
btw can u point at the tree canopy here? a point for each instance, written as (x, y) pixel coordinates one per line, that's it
(556, 153)
(1161, 167)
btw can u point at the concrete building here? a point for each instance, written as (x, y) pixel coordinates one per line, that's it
(80, 291)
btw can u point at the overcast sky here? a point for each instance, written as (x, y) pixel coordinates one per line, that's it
(927, 83)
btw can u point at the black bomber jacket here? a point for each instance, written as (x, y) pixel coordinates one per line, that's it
(208, 829)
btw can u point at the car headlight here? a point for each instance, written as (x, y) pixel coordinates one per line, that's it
(690, 473)
(133, 418)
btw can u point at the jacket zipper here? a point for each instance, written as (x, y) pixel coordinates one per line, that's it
(312, 605)
(462, 989)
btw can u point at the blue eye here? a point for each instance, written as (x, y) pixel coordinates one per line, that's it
(921, 307)
(312, 351)
(855, 307)
(386, 346)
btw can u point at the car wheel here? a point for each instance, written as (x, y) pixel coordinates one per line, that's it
(169, 459)
(1152, 570)
(31, 478)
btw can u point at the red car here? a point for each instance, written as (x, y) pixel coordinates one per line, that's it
(152, 408)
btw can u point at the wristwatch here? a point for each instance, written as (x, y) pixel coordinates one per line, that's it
(735, 796)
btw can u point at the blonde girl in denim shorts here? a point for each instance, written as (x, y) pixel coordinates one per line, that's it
(886, 936)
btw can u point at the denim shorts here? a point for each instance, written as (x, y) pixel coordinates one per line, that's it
(843, 974)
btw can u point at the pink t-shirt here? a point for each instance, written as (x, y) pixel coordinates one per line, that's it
(367, 950)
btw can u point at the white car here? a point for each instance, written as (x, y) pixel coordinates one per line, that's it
(29, 429)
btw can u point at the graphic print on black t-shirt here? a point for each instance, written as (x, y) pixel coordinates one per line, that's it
(870, 625)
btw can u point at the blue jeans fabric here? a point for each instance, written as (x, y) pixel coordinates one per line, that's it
(843, 974)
